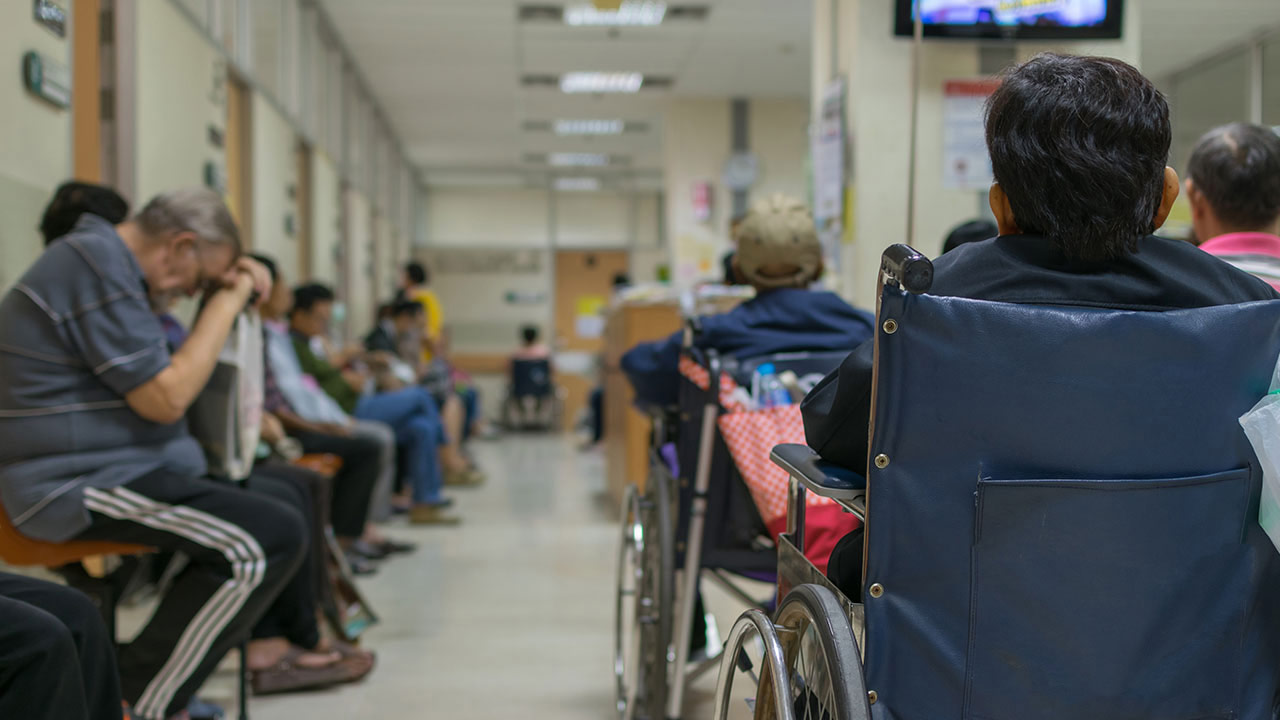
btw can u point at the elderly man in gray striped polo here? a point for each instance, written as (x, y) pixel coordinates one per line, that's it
(90, 404)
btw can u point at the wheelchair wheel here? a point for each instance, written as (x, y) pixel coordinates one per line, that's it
(645, 603)
(824, 669)
(753, 657)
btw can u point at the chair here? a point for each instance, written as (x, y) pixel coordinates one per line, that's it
(699, 523)
(82, 564)
(1061, 521)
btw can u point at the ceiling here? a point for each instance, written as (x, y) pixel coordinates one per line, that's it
(448, 73)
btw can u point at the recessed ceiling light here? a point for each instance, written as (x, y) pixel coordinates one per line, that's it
(600, 82)
(630, 13)
(568, 159)
(589, 127)
(577, 184)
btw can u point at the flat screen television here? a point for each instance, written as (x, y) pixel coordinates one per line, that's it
(1014, 19)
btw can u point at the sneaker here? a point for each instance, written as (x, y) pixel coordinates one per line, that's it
(431, 515)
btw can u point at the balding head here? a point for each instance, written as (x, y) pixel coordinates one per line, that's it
(1234, 180)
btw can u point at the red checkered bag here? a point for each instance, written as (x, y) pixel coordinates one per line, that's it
(750, 435)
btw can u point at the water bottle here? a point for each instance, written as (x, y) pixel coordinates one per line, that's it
(768, 388)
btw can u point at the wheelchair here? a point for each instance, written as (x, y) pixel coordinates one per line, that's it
(1061, 522)
(533, 402)
(699, 523)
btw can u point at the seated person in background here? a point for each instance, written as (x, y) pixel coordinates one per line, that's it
(780, 256)
(414, 286)
(73, 199)
(397, 323)
(1079, 146)
(320, 425)
(1234, 189)
(970, 232)
(94, 394)
(411, 412)
(56, 660)
(531, 348)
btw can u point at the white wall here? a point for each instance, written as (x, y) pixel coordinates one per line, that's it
(275, 180)
(593, 219)
(36, 154)
(486, 217)
(181, 92)
(778, 134)
(326, 218)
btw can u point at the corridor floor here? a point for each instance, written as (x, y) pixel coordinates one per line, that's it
(509, 615)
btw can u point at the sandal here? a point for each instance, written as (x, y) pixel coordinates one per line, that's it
(360, 661)
(287, 676)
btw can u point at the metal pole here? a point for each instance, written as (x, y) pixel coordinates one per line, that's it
(916, 45)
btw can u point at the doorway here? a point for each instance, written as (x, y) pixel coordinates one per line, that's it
(583, 287)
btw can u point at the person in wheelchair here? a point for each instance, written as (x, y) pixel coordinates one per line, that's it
(780, 256)
(1079, 147)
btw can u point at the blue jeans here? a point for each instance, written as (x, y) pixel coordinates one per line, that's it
(415, 419)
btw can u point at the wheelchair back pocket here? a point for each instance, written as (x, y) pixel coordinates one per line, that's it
(1108, 599)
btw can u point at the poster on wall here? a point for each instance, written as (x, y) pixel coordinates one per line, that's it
(828, 156)
(965, 162)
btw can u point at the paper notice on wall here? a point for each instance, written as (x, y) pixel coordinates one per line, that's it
(828, 156)
(589, 327)
(965, 162)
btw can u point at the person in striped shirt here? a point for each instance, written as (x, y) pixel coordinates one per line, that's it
(1233, 185)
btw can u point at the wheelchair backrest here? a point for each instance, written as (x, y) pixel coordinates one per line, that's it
(1063, 513)
(531, 378)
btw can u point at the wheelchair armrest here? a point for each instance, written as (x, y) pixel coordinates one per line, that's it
(819, 477)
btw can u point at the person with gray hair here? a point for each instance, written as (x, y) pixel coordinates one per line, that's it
(92, 403)
(780, 256)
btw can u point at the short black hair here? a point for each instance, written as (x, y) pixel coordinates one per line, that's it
(972, 231)
(529, 334)
(73, 199)
(1237, 169)
(309, 295)
(406, 307)
(269, 264)
(417, 272)
(1079, 145)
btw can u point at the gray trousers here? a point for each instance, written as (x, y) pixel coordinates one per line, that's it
(380, 503)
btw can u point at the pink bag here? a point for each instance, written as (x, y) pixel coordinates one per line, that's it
(750, 435)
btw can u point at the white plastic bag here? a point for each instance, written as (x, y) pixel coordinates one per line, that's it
(1262, 427)
(227, 415)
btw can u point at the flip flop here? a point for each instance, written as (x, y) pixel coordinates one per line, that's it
(287, 676)
(360, 661)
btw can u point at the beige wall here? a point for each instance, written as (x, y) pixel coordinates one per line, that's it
(275, 177)
(696, 145)
(358, 261)
(326, 216)
(36, 154)
(181, 92)
(486, 217)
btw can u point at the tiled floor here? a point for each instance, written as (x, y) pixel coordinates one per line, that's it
(508, 616)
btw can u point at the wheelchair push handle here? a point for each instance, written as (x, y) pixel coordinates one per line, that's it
(908, 268)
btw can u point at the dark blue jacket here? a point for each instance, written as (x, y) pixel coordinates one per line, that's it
(776, 321)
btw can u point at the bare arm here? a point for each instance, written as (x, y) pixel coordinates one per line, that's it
(166, 397)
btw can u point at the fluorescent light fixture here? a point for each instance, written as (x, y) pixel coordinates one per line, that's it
(577, 159)
(600, 82)
(630, 13)
(588, 127)
(577, 184)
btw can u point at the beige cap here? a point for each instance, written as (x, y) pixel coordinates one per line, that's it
(778, 245)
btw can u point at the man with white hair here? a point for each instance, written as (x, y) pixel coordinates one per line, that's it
(780, 256)
(91, 404)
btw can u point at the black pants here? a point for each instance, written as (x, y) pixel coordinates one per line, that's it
(844, 569)
(56, 661)
(292, 615)
(243, 548)
(354, 483)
